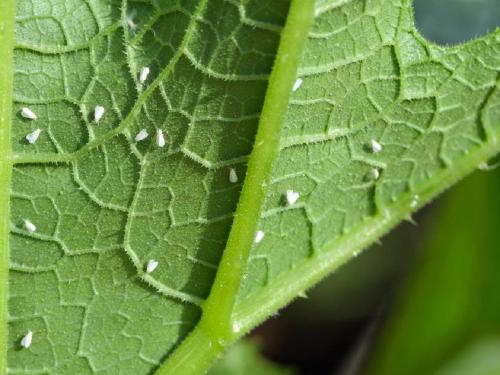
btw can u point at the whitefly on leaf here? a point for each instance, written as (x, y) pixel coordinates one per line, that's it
(29, 226)
(27, 340)
(98, 113)
(28, 113)
(33, 136)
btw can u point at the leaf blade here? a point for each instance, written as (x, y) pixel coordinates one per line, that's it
(377, 205)
(193, 194)
(381, 213)
(104, 205)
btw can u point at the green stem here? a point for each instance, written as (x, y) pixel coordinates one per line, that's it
(195, 355)
(219, 306)
(6, 59)
(215, 330)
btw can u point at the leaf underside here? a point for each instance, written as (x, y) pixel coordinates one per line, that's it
(104, 204)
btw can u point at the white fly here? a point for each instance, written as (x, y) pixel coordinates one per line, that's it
(259, 235)
(28, 113)
(143, 75)
(160, 138)
(30, 227)
(374, 174)
(291, 197)
(376, 147)
(151, 265)
(27, 339)
(98, 113)
(33, 136)
(143, 134)
(297, 84)
(233, 177)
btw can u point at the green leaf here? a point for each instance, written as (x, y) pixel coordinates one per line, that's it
(434, 111)
(244, 358)
(104, 205)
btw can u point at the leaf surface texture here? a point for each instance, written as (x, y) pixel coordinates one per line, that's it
(104, 204)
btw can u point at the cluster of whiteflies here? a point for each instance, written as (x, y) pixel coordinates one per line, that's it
(99, 112)
(290, 196)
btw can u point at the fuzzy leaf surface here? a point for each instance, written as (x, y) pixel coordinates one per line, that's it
(104, 204)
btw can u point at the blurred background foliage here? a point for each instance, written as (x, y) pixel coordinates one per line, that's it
(447, 312)
(426, 300)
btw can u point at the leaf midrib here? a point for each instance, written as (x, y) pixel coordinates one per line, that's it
(6, 58)
(202, 342)
(216, 329)
(42, 158)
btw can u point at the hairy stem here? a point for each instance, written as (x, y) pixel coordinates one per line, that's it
(216, 331)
